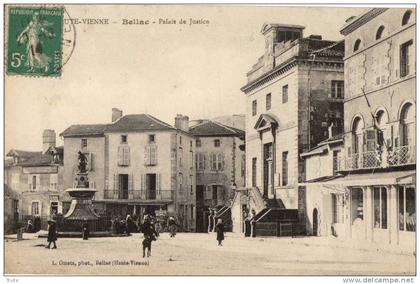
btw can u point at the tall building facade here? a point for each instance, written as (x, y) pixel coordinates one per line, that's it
(294, 93)
(380, 124)
(374, 192)
(220, 168)
(34, 183)
(138, 164)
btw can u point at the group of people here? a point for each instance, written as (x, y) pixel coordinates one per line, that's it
(148, 228)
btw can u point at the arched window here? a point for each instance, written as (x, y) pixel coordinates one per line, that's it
(381, 119)
(380, 32)
(357, 45)
(406, 17)
(407, 124)
(357, 136)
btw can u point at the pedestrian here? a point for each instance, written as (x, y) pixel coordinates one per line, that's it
(85, 229)
(52, 234)
(128, 222)
(172, 226)
(220, 230)
(211, 221)
(29, 227)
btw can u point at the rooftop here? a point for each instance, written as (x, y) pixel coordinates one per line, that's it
(138, 122)
(212, 128)
(84, 130)
(127, 123)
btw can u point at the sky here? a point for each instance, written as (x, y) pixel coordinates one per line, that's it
(157, 69)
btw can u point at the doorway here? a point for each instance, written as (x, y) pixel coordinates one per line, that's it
(150, 186)
(268, 156)
(123, 186)
(315, 222)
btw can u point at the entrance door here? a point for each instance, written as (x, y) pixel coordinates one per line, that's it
(268, 153)
(315, 222)
(151, 186)
(123, 186)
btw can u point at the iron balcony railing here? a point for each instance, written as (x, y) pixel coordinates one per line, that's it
(397, 156)
(139, 194)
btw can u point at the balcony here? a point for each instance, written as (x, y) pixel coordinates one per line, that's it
(397, 156)
(139, 194)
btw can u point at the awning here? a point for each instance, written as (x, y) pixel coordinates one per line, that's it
(378, 178)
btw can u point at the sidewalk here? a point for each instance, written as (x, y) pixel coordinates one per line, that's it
(331, 242)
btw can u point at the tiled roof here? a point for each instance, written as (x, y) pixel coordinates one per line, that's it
(37, 160)
(22, 154)
(211, 128)
(84, 130)
(138, 122)
(29, 159)
(335, 138)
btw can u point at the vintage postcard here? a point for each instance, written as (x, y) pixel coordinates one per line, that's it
(210, 140)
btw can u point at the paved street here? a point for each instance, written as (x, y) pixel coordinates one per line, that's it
(199, 254)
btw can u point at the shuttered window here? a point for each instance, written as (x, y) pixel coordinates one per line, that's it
(150, 155)
(53, 182)
(200, 161)
(123, 156)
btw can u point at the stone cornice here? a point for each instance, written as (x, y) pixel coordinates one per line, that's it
(361, 20)
(283, 68)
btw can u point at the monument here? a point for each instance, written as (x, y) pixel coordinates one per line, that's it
(81, 209)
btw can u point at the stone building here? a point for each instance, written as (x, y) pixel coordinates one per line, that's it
(376, 186)
(220, 168)
(293, 94)
(323, 205)
(33, 181)
(138, 164)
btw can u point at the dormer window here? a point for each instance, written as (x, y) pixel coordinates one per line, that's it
(406, 17)
(357, 45)
(380, 32)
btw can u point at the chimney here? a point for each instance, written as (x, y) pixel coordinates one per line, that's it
(319, 37)
(181, 122)
(48, 139)
(116, 114)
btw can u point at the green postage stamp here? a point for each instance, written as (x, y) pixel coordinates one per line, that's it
(34, 41)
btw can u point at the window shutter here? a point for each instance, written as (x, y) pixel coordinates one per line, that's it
(147, 185)
(125, 156)
(147, 155)
(38, 182)
(153, 155)
(128, 156)
(197, 162)
(30, 209)
(143, 182)
(223, 162)
(40, 208)
(120, 156)
(29, 182)
(115, 182)
(130, 182)
(204, 161)
(370, 140)
(158, 183)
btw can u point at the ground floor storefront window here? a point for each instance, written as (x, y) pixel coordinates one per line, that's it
(338, 208)
(407, 208)
(357, 206)
(380, 206)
